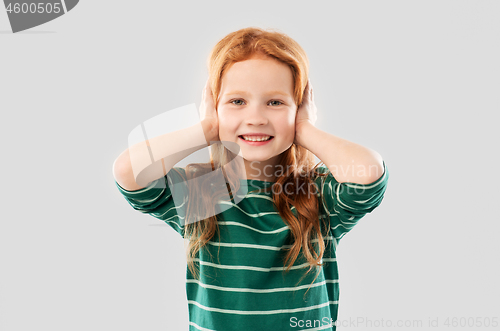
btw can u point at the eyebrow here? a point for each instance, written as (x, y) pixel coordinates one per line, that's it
(268, 93)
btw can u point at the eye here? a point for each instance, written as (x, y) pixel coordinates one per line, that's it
(280, 103)
(232, 101)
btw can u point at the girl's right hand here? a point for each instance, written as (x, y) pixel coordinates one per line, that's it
(208, 114)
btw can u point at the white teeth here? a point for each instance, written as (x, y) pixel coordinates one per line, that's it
(256, 138)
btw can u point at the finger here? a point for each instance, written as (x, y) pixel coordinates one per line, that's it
(309, 85)
(205, 88)
(208, 86)
(209, 98)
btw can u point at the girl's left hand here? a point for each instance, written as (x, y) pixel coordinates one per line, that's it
(307, 111)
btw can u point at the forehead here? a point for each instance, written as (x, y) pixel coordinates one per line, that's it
(258, 73)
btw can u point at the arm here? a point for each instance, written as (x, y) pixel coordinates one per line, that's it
(143, 163)
(347, 161)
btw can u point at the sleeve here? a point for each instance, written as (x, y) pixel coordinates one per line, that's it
(346, 203)
(157, 199)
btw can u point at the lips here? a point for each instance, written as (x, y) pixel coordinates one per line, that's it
(256, 136)
(256, 143)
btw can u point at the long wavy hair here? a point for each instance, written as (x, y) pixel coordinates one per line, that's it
(200, 226)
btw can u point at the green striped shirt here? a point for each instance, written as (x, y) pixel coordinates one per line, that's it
(242, 285)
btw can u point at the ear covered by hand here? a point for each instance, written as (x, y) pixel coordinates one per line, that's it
(208, 114)
(307, 111)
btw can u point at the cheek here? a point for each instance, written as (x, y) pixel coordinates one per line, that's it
(287, 128)
(222, 117)
(289, 121)
(227, 124)
(291, 125)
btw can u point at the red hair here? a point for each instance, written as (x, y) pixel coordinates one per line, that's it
(305, 228)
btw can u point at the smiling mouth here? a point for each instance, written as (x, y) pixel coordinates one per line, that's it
(270, 137)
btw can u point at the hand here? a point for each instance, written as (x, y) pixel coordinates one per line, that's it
(208, 114)
(307, 111)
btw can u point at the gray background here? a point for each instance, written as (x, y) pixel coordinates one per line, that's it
(418, 81)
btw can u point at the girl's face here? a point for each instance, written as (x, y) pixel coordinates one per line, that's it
(256, 96)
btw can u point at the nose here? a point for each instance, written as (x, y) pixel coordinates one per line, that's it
(256, 115)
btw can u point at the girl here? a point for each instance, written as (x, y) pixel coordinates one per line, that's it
(264, 258)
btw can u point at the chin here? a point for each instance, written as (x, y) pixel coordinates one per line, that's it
(251, 158)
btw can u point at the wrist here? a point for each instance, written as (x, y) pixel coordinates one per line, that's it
(301, 131)
(209, 131)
